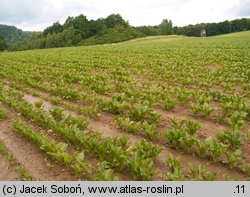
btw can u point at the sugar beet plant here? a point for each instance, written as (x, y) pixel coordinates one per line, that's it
(176, 172)
(142, 160)
(141, 168)
(143, 111)
(199, 173)
(67, 129)
(58, 151)
(137, 127)
(132, 81)
(202, 148)
(236, 120)
(216, 149)
(147, 150)
(103, 172)
(202, 107)
(182, 135)
(3, 113)
(232, 138)
(169, 103)
(235, 158)
(112, 150)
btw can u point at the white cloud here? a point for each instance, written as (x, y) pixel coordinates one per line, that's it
(243, 8)
(36, 15)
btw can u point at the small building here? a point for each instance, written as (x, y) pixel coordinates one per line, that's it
(203, 33)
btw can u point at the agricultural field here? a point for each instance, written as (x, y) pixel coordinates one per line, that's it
(158, 108)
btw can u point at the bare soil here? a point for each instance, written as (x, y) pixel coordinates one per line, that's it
(26, 153)
(105, 124)
(7, 172)
(208, 127)
(94, 124)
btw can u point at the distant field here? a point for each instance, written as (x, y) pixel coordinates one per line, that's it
(156, 108)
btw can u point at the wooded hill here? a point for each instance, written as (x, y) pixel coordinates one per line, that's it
(12, 34)
(112, 29)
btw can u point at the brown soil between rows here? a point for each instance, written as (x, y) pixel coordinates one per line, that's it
(94, 125)
(105, 124)
(92, 161)
(208, 128)
(154, 82)
(26, 153)
(7, 172)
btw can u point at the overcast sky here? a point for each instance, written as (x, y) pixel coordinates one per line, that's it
(35, 15)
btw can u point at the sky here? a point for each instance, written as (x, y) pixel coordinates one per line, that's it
(35, 15)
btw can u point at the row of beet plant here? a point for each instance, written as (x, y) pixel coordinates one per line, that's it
(183, 136)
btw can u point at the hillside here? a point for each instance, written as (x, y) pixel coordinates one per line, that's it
(114, 35)
(12, 34)
(179, 39)
(80, 30)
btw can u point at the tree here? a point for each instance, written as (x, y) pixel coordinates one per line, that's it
(11, 34)
(3, 45)
(81, 25)
(69, 22)
(96, 27)
(40, 43)
(49, 41)
(238, 25)
(179, 30)
(115, 20)
(212, 29)
(224, 27)
(166, 27)
(55, 28)
(248, 24)
(192, 30)
(69, 36)
(149, 30)
(114, 35)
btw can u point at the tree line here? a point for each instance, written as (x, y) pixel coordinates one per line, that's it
(81, 31)
(212, 29)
